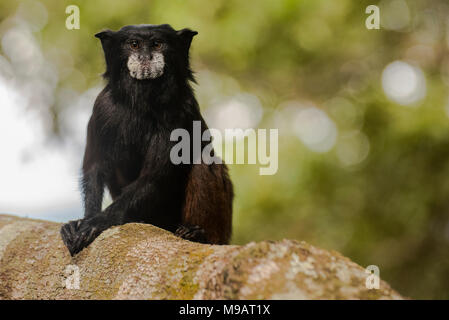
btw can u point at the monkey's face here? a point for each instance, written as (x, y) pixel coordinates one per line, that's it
(146, 52)
(145, 58)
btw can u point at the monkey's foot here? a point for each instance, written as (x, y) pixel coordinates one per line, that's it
(191, 233)
(78, 234)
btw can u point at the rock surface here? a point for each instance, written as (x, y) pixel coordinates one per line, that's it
(138, 261)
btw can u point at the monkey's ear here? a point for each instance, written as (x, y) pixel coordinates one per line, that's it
(186, 33)
(103, 35)
(186, 36)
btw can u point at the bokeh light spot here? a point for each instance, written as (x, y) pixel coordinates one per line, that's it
(403, 83)
(315, 129)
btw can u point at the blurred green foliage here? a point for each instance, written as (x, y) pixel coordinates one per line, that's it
(392, 208)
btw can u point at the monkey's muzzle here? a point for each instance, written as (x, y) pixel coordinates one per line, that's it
(146, 66)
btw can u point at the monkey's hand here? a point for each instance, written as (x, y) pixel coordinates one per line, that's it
(78, 234)
(191, 233)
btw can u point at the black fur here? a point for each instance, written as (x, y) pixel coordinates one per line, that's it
(128, 142)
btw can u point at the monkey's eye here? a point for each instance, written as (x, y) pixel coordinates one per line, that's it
(157, 44)
(134, 44)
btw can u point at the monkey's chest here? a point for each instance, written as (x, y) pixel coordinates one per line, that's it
(125, 146)
(133, 145)
(127, 161)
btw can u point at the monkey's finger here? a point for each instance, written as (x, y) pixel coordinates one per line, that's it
(63, 231)
(72, 227)
(66, 235)
(85, 238)
(69, 244)
(78, 244)
(72, 250)
(92, 235)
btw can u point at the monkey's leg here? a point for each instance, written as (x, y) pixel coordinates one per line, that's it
(208, 205)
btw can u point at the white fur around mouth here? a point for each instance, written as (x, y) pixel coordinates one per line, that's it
(141, 67)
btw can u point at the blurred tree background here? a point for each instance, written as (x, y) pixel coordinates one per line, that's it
(362, 114)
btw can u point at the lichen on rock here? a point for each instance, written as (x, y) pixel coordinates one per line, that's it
(139, 261)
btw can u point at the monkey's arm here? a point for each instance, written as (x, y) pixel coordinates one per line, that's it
(93, 189)
(80, 233)
(93, 177)
(92, 185)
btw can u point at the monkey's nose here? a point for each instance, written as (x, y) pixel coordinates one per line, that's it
(146, 65)
(144, 57)
(146, 54)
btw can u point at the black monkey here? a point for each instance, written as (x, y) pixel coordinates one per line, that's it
(147, 96)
